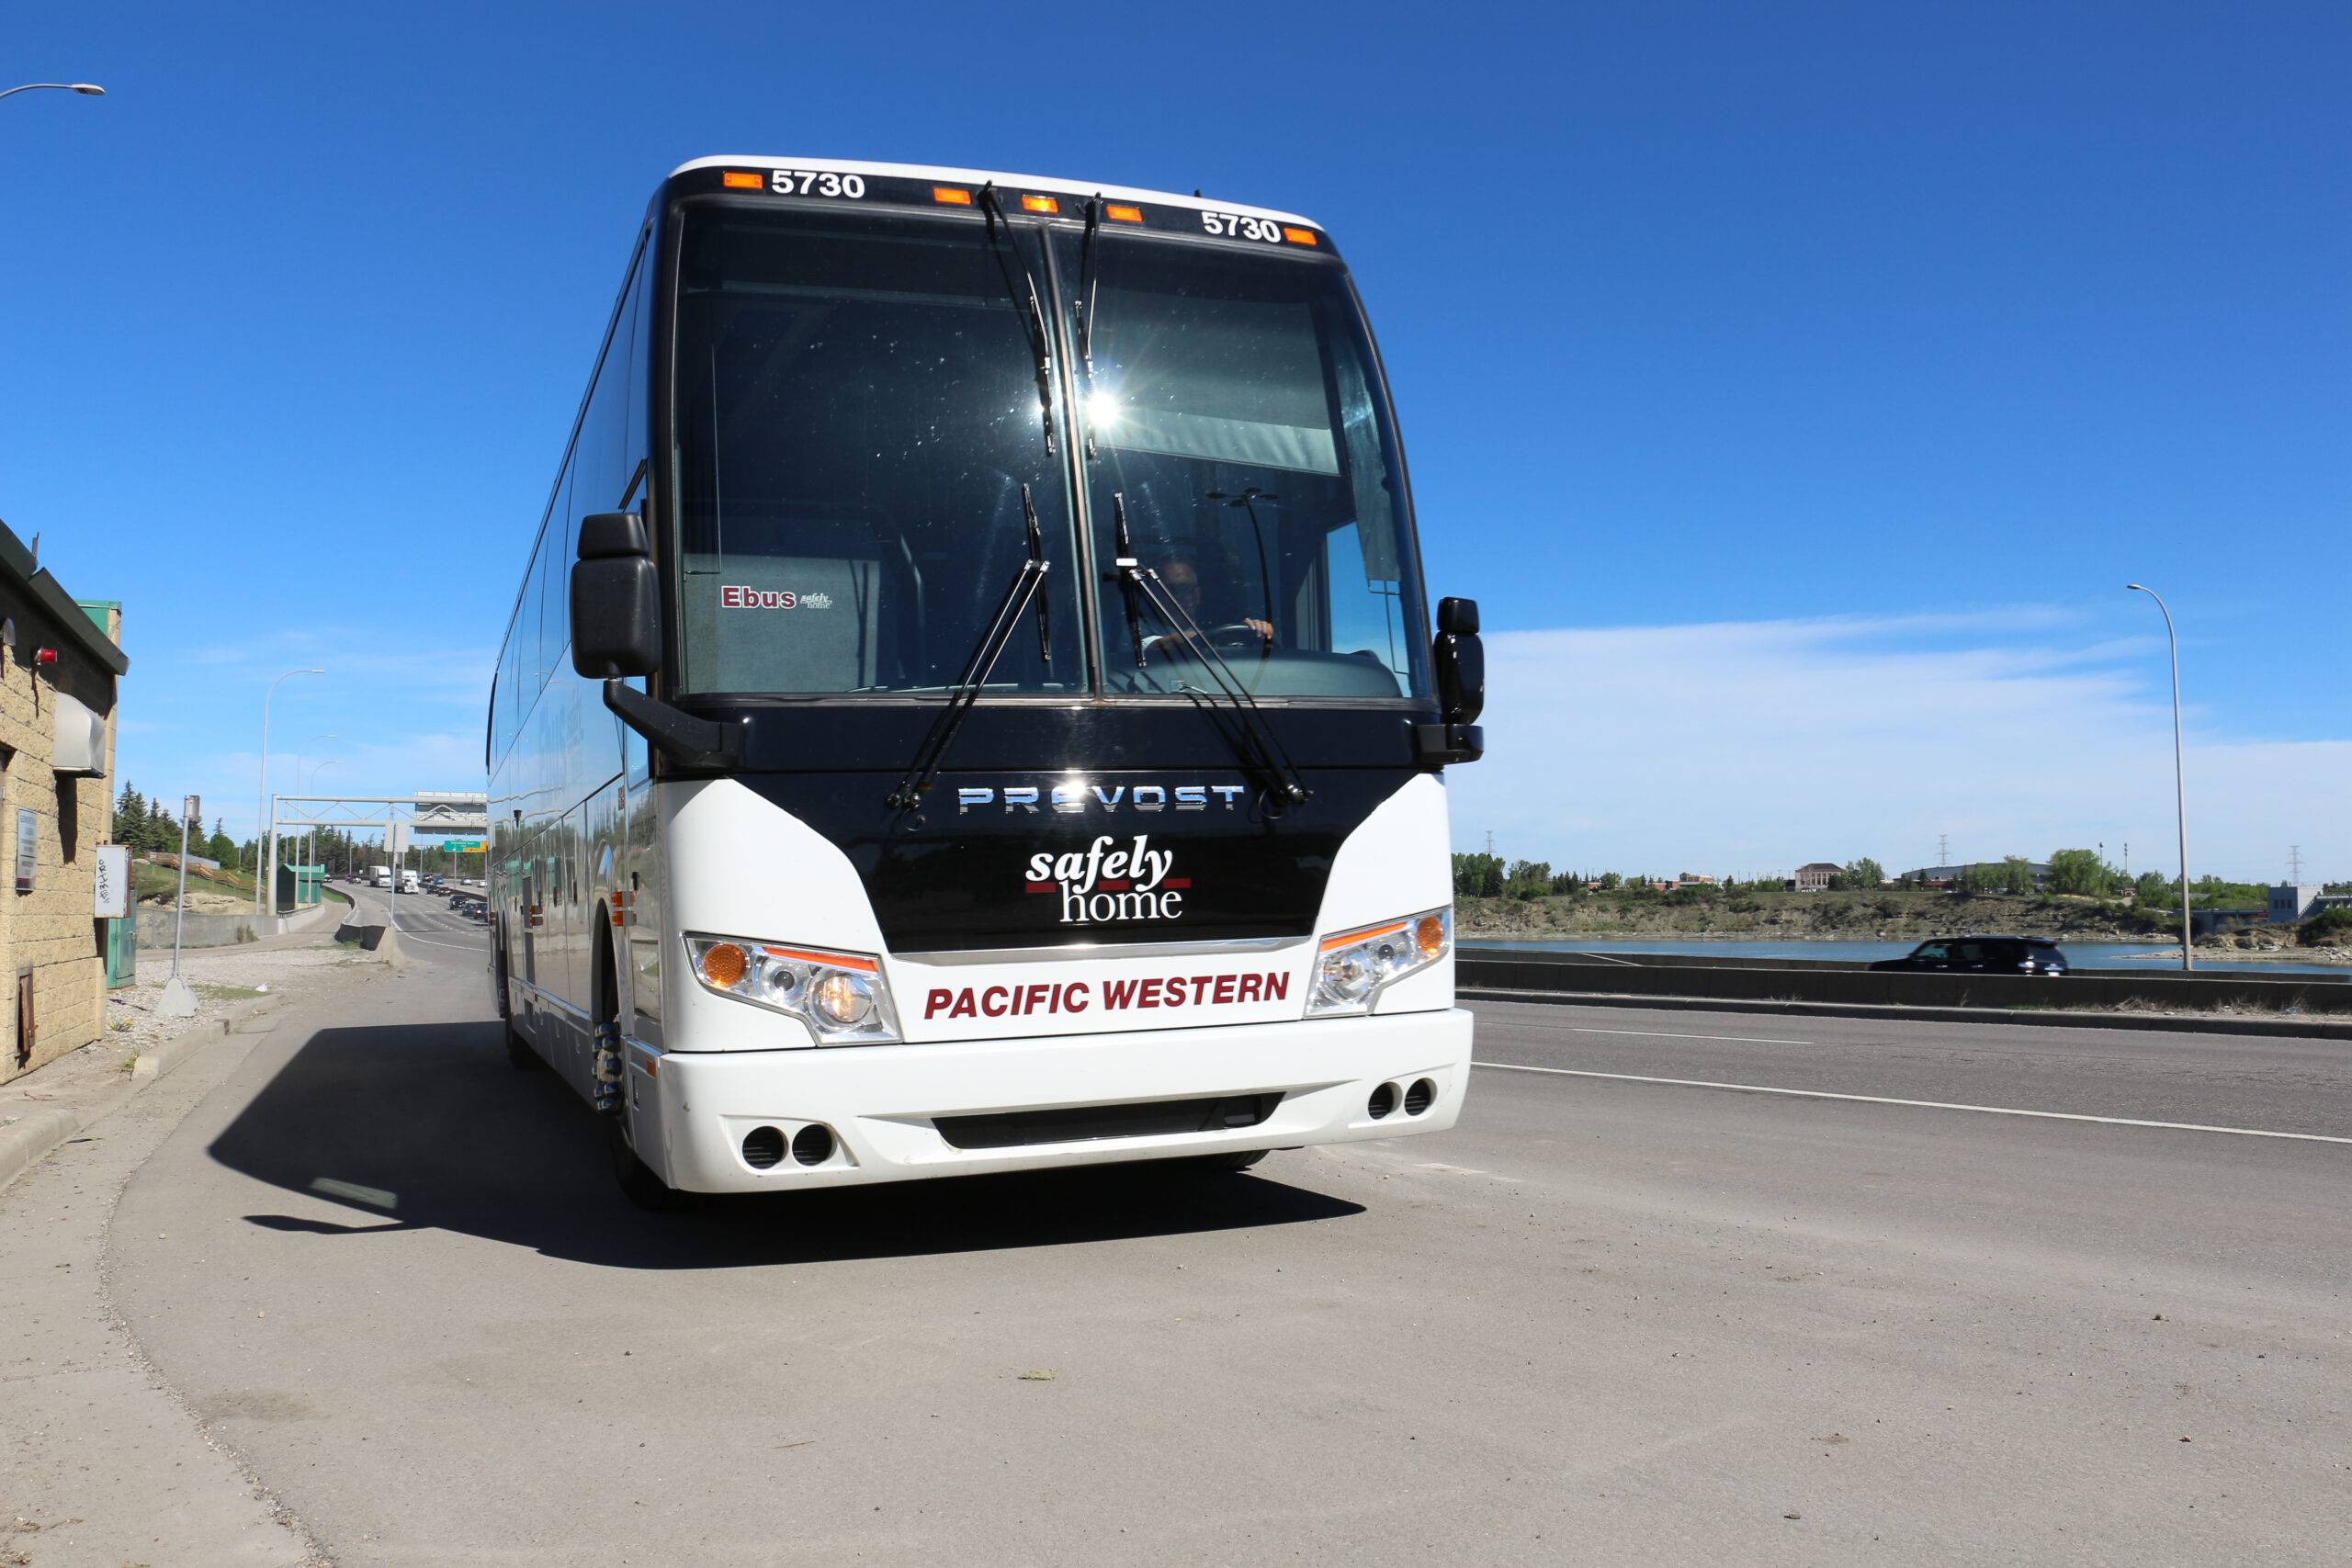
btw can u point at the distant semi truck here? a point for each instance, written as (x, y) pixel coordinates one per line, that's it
(384, 877)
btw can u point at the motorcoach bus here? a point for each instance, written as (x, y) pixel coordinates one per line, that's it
(972, 704)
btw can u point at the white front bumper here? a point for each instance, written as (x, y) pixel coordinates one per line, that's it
(879, 1101)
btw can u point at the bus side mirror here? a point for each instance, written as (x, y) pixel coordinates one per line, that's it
(615, 599)
(1461, 662)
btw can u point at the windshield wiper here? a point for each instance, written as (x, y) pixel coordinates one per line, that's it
(924, 769)
(1253, 740)
(1085, 313)
(1033, 318)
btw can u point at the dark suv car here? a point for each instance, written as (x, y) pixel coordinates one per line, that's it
(1982, 956)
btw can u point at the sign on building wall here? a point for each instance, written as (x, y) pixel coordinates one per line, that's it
(28, 848)
(113, 882)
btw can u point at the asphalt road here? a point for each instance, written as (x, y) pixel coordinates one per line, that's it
(1602, 1320)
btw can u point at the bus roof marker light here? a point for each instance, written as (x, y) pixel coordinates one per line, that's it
(950, 196)
(735, 180)
(1040, 203)
(1299, 236)
(1124, 214)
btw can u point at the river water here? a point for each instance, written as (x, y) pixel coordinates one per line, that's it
(2080, 954)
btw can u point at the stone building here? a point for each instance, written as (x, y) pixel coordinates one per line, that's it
(60, 662)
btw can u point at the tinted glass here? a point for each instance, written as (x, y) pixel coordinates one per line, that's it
(1235, 409)
(1932, 951)
(857, 417)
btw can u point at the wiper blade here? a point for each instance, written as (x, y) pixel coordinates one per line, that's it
(924, 769)
(1254, 741)
(1085, 313)
(1033, 318)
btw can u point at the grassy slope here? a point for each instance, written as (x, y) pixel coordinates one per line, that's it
(1693, 913)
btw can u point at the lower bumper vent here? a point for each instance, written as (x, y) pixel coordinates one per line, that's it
(1148, 1119)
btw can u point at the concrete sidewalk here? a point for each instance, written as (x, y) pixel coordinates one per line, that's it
(102, 1463)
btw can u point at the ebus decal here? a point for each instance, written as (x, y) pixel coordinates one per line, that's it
(734, 596)
(1104, 884)
(1118, 996)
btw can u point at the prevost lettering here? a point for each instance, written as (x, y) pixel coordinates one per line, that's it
(1118, 996)
(1071, 799)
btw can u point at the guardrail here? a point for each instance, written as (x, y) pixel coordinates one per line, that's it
(1811, 980)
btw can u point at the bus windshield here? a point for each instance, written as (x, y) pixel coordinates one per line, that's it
(1235, 410)
(861, 442)
(858, 422)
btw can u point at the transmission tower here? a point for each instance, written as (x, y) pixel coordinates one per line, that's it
(1943, 849)
(2295, 864)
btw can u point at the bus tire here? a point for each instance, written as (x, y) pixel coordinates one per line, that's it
(638, 1183)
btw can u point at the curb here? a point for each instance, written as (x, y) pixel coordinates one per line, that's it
(26, 1142)
(2062, 1018)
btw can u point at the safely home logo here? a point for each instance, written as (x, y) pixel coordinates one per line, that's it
(1104, 885)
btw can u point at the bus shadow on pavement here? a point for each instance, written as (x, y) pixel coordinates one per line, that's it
(431, 1118)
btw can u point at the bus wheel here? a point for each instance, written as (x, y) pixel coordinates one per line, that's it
(639, 1184)
(1241, 1160)
(519, 1055)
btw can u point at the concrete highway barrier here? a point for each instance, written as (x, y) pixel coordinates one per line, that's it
(1798, 980)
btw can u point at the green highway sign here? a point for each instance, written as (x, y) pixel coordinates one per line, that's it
(467, 844)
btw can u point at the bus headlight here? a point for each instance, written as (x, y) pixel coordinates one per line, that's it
(842, 996)
(1354, 967)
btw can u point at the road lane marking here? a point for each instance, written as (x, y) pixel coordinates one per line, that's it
(1663, 1034)
(1920, 1104)
(374, 1197)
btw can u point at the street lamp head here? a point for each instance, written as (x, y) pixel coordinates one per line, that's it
(2135, 588)
(88, 89)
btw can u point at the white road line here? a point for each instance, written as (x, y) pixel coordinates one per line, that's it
(1921, 1104)
(374, 1196)
(1662, 1034)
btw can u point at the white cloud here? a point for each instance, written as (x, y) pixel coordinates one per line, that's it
(1748, 747)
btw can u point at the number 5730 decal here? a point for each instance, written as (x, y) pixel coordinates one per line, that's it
(1234, 226)
(816, 182)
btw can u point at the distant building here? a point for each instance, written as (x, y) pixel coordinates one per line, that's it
(1955, 876)
(1815, 878)
(2289, 903)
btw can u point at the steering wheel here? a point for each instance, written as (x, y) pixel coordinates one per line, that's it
(1238, 637)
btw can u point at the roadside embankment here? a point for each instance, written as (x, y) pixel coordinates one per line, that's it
(1746, 913)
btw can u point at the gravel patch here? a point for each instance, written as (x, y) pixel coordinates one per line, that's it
(221, 977)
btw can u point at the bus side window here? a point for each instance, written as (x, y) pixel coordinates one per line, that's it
(549, 583)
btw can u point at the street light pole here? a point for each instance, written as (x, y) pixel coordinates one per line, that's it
(2180, 782)
(87, 89)
(311, 785)
(261, 800)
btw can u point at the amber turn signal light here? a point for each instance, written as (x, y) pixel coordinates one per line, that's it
(733, 180)
(951, 196)
(1124, 214)
(1040, 203)
(723, 965)
(1429, 935)
(1299, 236)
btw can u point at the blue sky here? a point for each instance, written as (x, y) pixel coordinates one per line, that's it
(1850, 357)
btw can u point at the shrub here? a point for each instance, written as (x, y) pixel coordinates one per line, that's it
(2329, 928)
